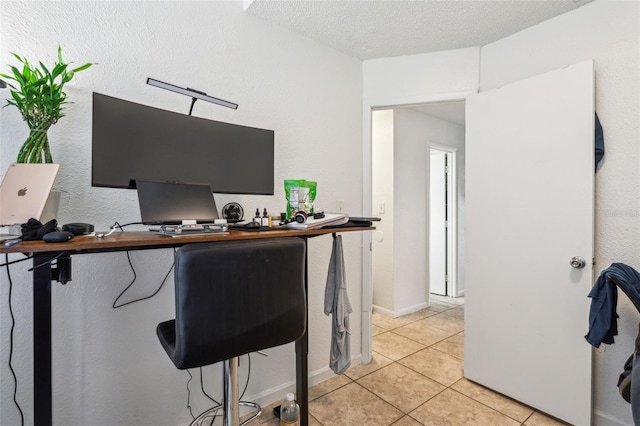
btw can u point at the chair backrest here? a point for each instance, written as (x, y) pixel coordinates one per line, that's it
(236, 297)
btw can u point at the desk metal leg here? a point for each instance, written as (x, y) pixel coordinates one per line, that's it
(42, 383)
(302, 352)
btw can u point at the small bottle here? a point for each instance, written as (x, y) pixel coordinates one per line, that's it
(289, 412)
(265, 218)
(257, 218)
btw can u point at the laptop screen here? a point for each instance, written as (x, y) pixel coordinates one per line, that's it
(171, 203)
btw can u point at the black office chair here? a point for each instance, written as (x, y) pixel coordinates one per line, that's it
(232, 298)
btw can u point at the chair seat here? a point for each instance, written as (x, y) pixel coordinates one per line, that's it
(166, 332)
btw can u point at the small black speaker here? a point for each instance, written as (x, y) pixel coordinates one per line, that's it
(78, 228)
(57, 237)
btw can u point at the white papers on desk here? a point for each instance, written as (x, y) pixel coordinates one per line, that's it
(329, 219)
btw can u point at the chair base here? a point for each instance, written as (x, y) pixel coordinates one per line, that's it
(198, 421)
(230, 404)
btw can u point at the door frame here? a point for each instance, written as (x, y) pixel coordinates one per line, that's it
(368, 105)
(452, 219)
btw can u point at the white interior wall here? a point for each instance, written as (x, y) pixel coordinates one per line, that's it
(108, 366)
(400, 158)
(413, 131)
(383, 247)
(609, 33)
(606, 31)
(419, 79)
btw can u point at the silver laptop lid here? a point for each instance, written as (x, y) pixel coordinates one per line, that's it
(24, 192)
(171, 203)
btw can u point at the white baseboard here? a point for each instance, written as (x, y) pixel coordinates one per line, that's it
(401, 312)
(603, 419)
(277, 393)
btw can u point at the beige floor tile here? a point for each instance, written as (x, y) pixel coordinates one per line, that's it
(312, 421)
(539, 419)
(439, 306)
(267, 418)
(353, 405)
(327, 386)
(445, 322)
(407, 421)
(401, 387)
(453, 408)
(446, 299)
(388, 323)
(436, 365)
(274, 421)
(457, 312)
(454, 345)
(375, 330)
(377, 362)
(498, 402)
(394, 346)
(423, 332)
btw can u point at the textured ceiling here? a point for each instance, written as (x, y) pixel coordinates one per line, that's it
(368, 29)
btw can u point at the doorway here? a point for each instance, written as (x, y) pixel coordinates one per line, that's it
(442, 260)
(402, 261)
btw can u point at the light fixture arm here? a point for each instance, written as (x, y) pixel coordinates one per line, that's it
(194, 94)
(194, 99)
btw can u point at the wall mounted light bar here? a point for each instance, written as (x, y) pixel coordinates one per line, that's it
(194, 94)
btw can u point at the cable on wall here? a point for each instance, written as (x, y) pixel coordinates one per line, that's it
(115, 302)
(11, 333)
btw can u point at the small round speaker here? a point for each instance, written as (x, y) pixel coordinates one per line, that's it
(57, 237)
(233, 212)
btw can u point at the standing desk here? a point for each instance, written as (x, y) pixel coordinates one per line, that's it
(44, 274)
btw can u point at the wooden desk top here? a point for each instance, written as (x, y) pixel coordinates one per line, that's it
(119, 241)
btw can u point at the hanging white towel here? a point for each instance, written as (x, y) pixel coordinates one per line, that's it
(336, 302)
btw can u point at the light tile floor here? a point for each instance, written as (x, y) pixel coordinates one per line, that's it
(415, 379)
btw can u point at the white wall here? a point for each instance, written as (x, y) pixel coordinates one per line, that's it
(108, 366)
(609, 33)
(409, 80)
(383, 247)
(400, 155)
(413, 133)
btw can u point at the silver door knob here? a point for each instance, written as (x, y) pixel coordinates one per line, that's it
(578, 262)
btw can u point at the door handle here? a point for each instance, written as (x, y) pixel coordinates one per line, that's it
(578, 262)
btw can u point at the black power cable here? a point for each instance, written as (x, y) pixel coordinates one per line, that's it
(13, 324)
(115, 302)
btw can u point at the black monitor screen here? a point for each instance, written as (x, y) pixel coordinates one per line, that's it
(136, 142)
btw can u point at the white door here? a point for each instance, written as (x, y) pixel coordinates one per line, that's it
(529, 200)
(437, 220)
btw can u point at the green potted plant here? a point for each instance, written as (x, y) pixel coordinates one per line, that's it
(37, 92)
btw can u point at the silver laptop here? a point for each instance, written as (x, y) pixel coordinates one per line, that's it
(171, 203)
(24, 192)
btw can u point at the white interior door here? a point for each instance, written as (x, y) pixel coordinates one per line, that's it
(437, 220)
(529, 198)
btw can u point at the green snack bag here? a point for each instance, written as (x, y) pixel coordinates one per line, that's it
(300, 195)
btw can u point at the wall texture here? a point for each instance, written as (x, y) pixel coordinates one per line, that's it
(108, 366)
(400, 144)
(609, 33)
(382, 255)
(413, 132)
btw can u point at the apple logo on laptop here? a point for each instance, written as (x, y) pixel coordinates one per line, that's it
(22, 192)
